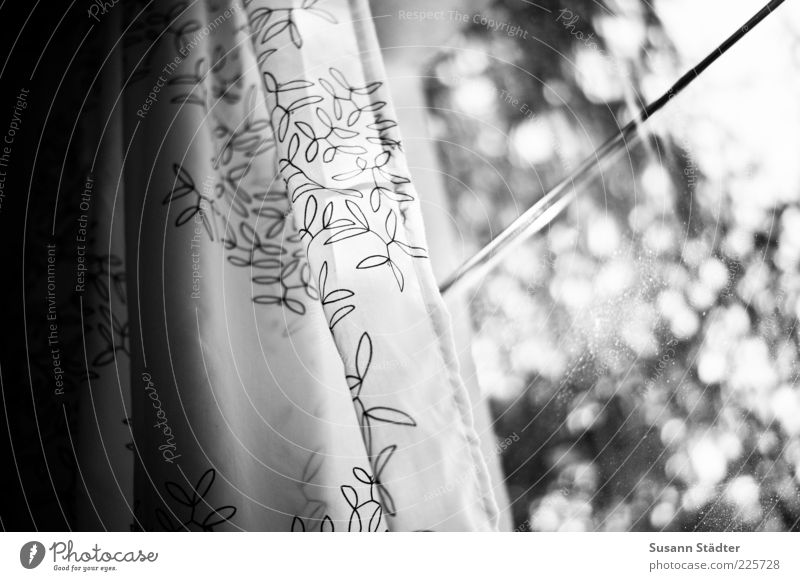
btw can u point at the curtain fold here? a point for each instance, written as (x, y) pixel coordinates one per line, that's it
(262, 278)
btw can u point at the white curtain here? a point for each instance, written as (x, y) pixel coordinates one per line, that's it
(267, 346)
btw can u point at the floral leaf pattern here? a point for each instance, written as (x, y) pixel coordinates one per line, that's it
(342, 191)
(197, 515)
(330, 126)
(366, 514)
(369, 416)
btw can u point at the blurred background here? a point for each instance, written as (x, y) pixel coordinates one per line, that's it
(640, 354)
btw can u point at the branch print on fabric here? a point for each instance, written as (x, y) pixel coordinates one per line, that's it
(340, 156)
(249, 225)
(368, 417)
(366, 514)
(284, 164)
(354, 118)
(196, 507)
(106, 279)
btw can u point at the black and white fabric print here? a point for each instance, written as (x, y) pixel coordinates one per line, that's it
(353, 202)
(288, 358)
(105, 404)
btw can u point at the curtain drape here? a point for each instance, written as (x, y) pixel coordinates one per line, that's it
(267, 347)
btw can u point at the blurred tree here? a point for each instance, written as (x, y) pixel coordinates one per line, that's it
(642, 352)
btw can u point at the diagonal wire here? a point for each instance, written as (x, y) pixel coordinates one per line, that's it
(551, 204)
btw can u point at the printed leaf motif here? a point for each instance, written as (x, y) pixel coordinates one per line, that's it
(294, 145)
(327, 215)
(383, 458)
(350, 495)
(413, 251)
(265, 263)
(363, 355)
(312, 467)
(391, 225)
(339, 315)
(345, 127)
(323, 277)
(310, 213)
(204, 485)
(267, 300)
(218, 516)
(297, 525)
(375, 519)
(178, 494)
(372, 261)
(274, 30)
(375, 199)
(196, 501)
(337, 295)
(357, 213)
(398, 275)
(390, 416)
(268, 279)
(296, 84)
(345, 234)
(362, 475)
(295, 306)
